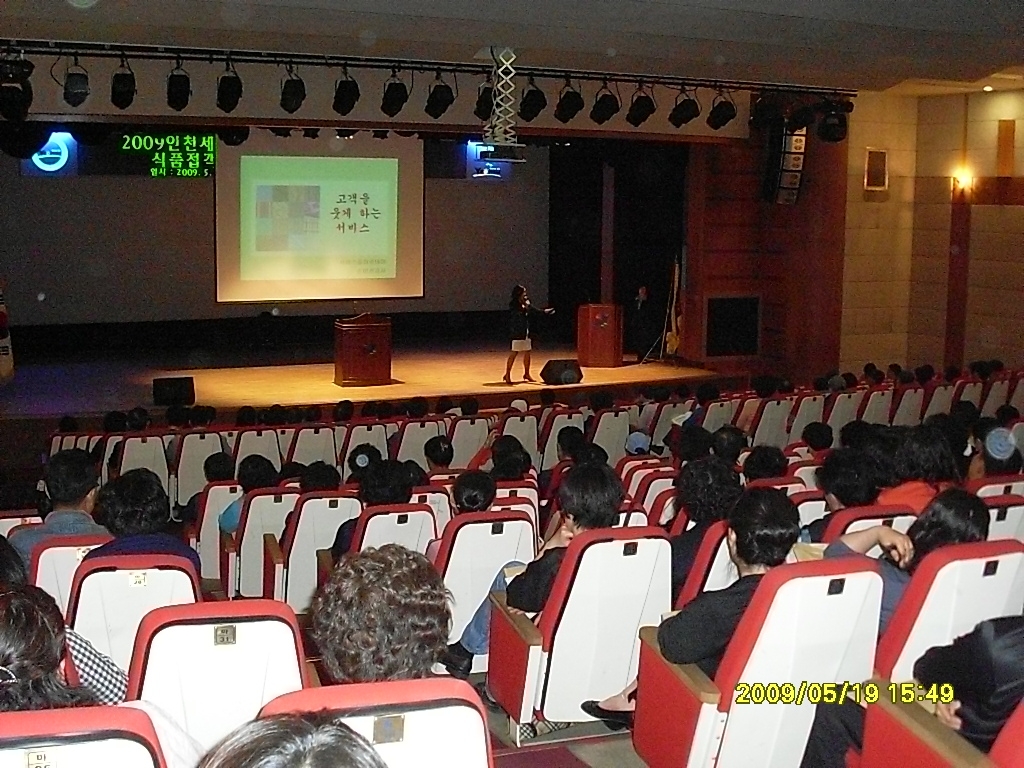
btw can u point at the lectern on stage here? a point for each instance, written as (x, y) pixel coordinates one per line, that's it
(362, 351)
(599, 335)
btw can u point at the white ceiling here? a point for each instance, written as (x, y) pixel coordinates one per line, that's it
(862, 44)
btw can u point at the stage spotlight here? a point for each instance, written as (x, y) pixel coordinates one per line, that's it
(570, 103)
(234, 136)
(179, 88)
(122, 86)
(15, 88)
(606, 105)
(801, 117)
(345, 133)
(346, 93)
(440, 97)
(293, 91)
(722, 112)
(533, 102)
(229, 88)
(76, 85)
(311, 133)
(641, 107)
(833, 125)
(396, 93)
(484, 100)
(686, 108)
(765, 111)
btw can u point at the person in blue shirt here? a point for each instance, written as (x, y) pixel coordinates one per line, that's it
(136, 510)
(254, 472)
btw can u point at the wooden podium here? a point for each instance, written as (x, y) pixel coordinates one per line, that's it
(362, 351)
(599, 335)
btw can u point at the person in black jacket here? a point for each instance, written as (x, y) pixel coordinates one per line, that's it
(590, 497)
(519, 312)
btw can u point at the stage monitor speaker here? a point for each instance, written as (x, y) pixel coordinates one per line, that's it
(561, 372)
(175, 390)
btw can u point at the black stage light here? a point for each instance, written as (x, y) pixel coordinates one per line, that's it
(229, 88)
(346, 94)
(234, 136)
(22, 140)
(484, 100)
(345, 133)
(293, 91)
(122, 86)
(802, 117)
(311, 133)
(723, 112)
(76, 85)
(440, 97)
(765, 111)
(606, 106)
(570, 103)
(15, 88)
(833, 125)
(686, 109)
(641, 107)
(179, 88)
(396, 93)
(533, 102)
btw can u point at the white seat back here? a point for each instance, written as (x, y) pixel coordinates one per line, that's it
(633, 518)
(654, 489)
(316, 527)
(1015, 488)
(611, 433)
(808, 476)
(878, 407)
(663, 423)
(439, 501)
(284, 439)
(809, 408)
(772, 426)
(9, 520)
(1017, 396)
(718, 414)
(845, 406)
(908, 412)
(266, 514)
(559, 421)
(414, 436)
(258, 441)
(468, 434)
(312, 444)
(411, 529)
(145, 452)
(56, 566)
(972, 392)
(998, 393)
(524, 429)
(358, 434)
(193, 450)
(941, 400)
(218, 497)
(899, 523)
(1006, 520)
(811, 510)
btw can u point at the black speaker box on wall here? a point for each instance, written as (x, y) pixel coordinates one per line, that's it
(561, 372)
(175, 390)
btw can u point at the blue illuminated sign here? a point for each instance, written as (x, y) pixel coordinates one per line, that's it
(58, 157)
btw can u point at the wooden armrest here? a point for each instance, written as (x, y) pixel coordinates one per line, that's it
(927, 730)
(273, 549)
(227, 543)
(191, 532)
(324, 566)
(690, 675)
(525, 628)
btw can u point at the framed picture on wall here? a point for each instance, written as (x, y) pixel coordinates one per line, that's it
(876, 170)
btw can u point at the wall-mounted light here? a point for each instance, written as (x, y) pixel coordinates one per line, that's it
(963, 179)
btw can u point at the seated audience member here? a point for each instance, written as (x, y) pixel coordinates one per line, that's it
(590, 498)
(71, 487)
(308, 740)
(951, 373)
(727, 443)
(385, 482)
(319, 476)
(255, 472)
(706, 490)
(385, 409)
(137, 512)
(474, 491)
(33, 640)
(509, 459)
(360, 459)
(444, 406)
(763, 527)
(417, 476)
(688, 441)
(868, 371)
(818, 437)
(600, 400)
(382, 615)
(343, 411)
(924, 465)
(439, 453)
(957, 433)
(417, 408)
(115, 421)
(1007, 415)
(638, 444)
(998, 455)
(985, 668)
(894, 371)
(291, 470)
(179, 419)
(217, 468)
(99, 675)
(855, 434)
(765, 462)
(849, 478)
(469, 406)
(924, 375)
(952, 517)
(138, 419)
(67, 425)
(246, 417)
(570, 444)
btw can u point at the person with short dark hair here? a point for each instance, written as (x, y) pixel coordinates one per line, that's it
(307, 740)
(384, 482)
(255, 472)
(689, 441)
(290, 470)
(138, 419)
(360, 459)
(246, 417)
(509, 459)
(418, 408)
(951, 373)
(444, 405)
(343, 411)
(137, 512)
(590, 498)
(439, 453)
(115, 421)
(764, 462)
(763, 527)
(1007, 415)
(894, 370)
(727, 443)
(319, 476)
(548, 397)
(469, 406)
(71, 484)
(924, 465)
(856, 433)
(474, 491)
(817, 436)
(849, 478)
(924, 374)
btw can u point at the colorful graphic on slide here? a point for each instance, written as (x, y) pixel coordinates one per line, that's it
(314, 218)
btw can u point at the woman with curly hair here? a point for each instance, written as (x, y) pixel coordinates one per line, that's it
(383, 615)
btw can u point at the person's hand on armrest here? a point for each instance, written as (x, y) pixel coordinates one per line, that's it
(897, 545)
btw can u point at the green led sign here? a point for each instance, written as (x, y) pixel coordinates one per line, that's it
(178, 155)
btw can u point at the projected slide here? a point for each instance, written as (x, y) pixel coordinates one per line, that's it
(294, 223)
(308, 218)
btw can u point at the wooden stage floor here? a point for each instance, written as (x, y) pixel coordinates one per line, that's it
(49, 390)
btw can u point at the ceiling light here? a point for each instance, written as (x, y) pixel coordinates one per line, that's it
(802, 117)
(606, 105)
(15, 88)
(686, 108)
(229, 88)
(641, 107)
(570, 103)
(76, 84)
(722, 112)
(122, 86)
(293, 91)
(987, 88)
(533, 102)
(179, 88)
(484, 100)
(346, 93)
(345, 133)
(396, 93)
(311, 133)
(234, 136)
(440, 97)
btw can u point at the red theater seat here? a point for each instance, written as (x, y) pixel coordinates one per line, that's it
(205, 537)
(410, 525)
(263, 511)
(854, 519)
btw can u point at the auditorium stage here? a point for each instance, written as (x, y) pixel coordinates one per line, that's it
(90, 388)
